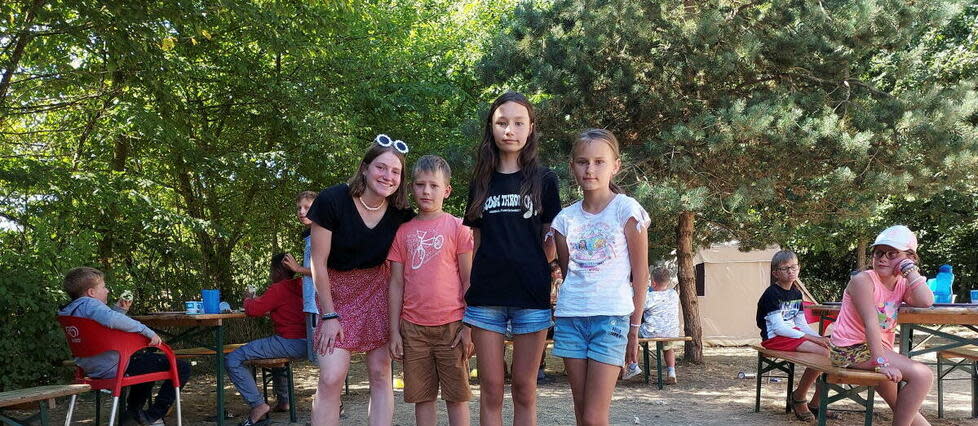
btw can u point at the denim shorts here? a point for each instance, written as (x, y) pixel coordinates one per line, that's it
(506, 320)
(602, 338)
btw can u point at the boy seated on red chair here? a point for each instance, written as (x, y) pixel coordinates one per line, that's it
(89, 298)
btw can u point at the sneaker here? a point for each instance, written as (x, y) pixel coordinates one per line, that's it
(145, 420)
(631, 370)
(670, 380)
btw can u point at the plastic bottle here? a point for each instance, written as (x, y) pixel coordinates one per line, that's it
(943, 289)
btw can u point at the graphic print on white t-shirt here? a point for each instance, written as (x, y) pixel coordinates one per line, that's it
(424, 248)
(595, 245)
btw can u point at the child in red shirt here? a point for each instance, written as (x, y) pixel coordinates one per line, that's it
(283, 302)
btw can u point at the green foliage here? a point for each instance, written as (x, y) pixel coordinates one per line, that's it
(163, 142)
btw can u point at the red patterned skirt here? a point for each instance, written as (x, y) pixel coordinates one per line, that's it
(360, 297)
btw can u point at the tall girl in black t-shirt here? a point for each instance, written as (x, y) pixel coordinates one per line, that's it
(353, 226)
(512, 200)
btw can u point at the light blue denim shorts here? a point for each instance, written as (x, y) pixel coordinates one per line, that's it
(602, 338)
(506, 320)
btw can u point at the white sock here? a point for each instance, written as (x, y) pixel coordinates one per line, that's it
(671, 371)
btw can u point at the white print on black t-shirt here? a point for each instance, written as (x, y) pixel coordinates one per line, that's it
(423, 249)
(594, 247)
(790, 309)
(509, 203)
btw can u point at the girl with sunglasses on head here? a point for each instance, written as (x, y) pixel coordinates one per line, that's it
(512, 200)
(353, 226)
(864, 333)
(781, 318)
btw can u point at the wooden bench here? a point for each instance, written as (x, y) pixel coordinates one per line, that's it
(43, 395)
(646, 352)
(967, 361)
(832, 378)
(266, 365)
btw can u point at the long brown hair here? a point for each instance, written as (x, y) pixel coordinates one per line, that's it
(358, 183)
(599, 135)
(487, 159)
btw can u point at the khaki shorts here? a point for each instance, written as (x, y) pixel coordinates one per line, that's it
(672, 344)
(430, 362)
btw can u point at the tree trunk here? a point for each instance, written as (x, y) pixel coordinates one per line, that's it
(687, 287)
(860, 254)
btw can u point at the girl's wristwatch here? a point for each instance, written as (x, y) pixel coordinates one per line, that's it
(329, 316)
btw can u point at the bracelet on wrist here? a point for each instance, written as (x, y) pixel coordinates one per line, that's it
(329, 316)
(635, 325)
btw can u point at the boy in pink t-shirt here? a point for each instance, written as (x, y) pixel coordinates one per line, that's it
(431, 258)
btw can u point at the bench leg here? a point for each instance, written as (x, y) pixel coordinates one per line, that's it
(98, 406)
(264, 384)
(788, 400)
(658, 363)
(44, 413)
(645, 356)
(870, 395)
(974, 389)
(757, 396)
(292, 416)
(940, 387)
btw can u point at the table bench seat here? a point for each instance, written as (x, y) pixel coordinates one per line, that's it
(831, 379)
(963, 358)
(20, 399)
(202, 351)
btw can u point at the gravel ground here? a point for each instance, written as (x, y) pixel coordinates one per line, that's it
(706, 394)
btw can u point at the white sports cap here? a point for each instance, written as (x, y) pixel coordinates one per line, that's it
(897, 236)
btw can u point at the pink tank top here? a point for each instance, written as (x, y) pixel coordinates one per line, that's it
(849, 329)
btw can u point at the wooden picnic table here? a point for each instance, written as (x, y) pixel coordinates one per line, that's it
(197, 326)
(923, 320)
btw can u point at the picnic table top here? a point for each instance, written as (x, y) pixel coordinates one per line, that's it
(40, 393)
(164, 319)
(940, 313)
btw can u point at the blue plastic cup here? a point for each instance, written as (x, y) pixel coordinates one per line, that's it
(212, 301)
(974, 296)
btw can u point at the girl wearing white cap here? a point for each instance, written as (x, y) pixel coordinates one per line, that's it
(864, 333)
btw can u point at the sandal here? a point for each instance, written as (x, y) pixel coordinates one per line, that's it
(805, 416)
(829, 414)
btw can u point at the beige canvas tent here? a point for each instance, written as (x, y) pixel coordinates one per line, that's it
(728, 283)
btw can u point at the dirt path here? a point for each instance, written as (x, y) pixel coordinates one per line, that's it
(707, 394)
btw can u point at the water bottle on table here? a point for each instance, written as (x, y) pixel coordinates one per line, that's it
(942, 284)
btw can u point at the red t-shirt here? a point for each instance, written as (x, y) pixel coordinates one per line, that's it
(284, 301)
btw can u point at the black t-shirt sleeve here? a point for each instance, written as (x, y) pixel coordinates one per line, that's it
(471, 223)
(769, 302)
(549, 197)
(323, 211)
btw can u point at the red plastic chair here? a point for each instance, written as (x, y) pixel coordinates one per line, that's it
(88, 338)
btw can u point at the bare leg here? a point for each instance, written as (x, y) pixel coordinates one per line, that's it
(458, 413)
(425, 413)
(381, 408)
(490, 362)
(601, 379)
(809, 377)
(906, 404)
(527, 349)
(670, 357)
(577, 376)
(332, 373)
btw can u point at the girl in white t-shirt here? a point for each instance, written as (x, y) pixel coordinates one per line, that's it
(602, 247)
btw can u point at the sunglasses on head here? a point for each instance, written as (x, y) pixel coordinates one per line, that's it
(386, 141)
